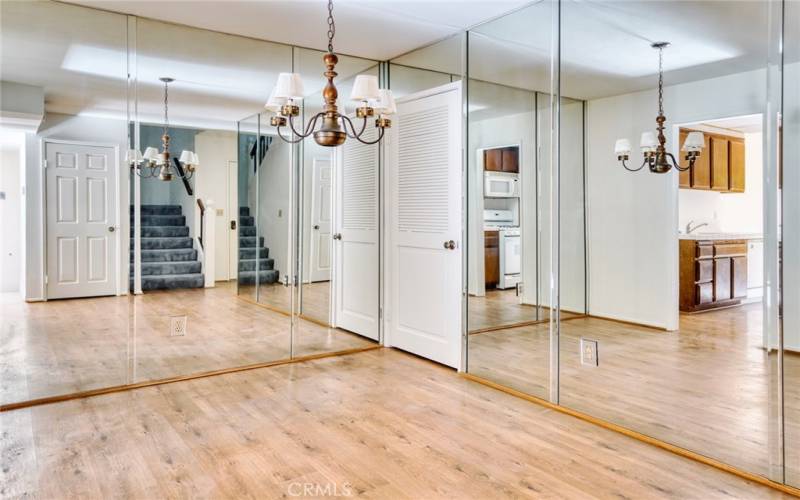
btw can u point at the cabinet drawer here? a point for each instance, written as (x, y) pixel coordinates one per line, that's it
(705, 250)
(491, 239)
(722, 279)
(704, 270)
(704, 293)
(730, 249)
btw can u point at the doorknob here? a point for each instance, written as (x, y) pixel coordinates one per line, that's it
(316, 227)
(337, 236)
(450, 245)
(111, 229)
(233, 224)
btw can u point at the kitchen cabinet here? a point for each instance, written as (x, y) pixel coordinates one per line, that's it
(719, 163)
(491, 258)
(720, 167)
(501, 159)
(713, 273)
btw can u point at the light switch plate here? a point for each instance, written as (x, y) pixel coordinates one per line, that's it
(589, 352)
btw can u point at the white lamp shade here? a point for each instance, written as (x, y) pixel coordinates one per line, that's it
(133, 156)
(289, 86)
(385, 104)
(186, 157)
(622, 147)
(365, 88)
(694, 142)
(648, 141)
(195, 159)
(274, 103)
(151, 154)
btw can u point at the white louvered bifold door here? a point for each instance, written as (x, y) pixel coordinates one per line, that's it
(424, 221)
(357, 252)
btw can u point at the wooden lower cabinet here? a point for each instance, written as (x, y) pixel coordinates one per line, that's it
(713, 273)
(491, 258)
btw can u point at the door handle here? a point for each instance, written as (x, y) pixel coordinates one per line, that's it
(337, 236)
(285, 280)
(111, 229)
(450, 245)
(233, 224)
(316, 227)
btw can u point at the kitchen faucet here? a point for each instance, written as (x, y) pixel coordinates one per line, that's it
(689, 227)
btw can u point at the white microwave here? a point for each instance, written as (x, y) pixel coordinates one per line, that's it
(500, 185)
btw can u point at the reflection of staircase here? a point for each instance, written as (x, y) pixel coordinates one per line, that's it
(252, 253)
(169, 259)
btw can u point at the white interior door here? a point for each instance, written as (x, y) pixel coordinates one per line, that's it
(321, 212)
(81, 220)
(424, 225)
(357, 253)
(232, 220)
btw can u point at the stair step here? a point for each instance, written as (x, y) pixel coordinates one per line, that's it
(244, 210)
(264, 277)
(163, 231)
(170, 255)
(159, 209)
(164, 243)
(250, 253)
(247, 220)
(250, 242)
(162, 220)
(247, 231)
(171, 281)
(250, 264)
(164, 268)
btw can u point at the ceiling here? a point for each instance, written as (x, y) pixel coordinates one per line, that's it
(375, 29)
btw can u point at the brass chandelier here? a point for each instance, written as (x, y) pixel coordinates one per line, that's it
(653, 148)
(335, 126)
(162, 162)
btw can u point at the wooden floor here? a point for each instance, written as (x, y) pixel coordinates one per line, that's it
(66, 346)
(502, 308)
(705, 387)
(313, 302)
(379, 424)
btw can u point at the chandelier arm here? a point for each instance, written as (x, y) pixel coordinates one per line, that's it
(295, 132)
(355, 135)
(313, 123)
(677, 164)
(290, 141)
(634, 169)
(371, 143)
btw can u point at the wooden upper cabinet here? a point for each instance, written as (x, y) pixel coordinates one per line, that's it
(684, 178)
(736, 158)
(701, 172)
(501, 159)
(719, 164)
(493, 160)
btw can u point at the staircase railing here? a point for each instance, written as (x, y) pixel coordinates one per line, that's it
(206, 240)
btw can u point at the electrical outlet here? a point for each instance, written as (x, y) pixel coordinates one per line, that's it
(589, 352)
(177, 326)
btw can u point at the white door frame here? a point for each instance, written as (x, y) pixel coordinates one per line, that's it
(314, 247)
(233, 214)
(120, 240)
(386, 251)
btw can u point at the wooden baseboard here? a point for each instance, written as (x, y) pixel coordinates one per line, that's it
(626, 322)
(520, 325)
(149, 383)
(639, 436)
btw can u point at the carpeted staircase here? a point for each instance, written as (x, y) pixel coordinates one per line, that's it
(252, 253)
(169, 259)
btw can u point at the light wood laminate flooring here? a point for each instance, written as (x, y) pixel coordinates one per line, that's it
(67, 346)
(378, 424)
(501, 308)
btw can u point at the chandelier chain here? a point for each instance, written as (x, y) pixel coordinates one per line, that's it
(660, 81)
(166, 107)
(331, 26)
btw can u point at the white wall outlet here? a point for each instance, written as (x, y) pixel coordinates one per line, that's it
(589, 352)
(177, 326)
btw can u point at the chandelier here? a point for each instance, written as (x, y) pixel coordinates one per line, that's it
(653, 148)
(335, 127)
(146, 165)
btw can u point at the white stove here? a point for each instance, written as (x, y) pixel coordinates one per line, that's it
(510, 245)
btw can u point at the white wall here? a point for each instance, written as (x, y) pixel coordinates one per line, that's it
(729, 212)
(274, 191)
(69, 128)
(633, 245)
(10, 217)
(215, 149)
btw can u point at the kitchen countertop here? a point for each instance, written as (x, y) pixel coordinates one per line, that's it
(720, 236)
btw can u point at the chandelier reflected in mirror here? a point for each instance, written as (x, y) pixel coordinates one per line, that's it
(154, 163)
(335, 127)
(654, 147)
